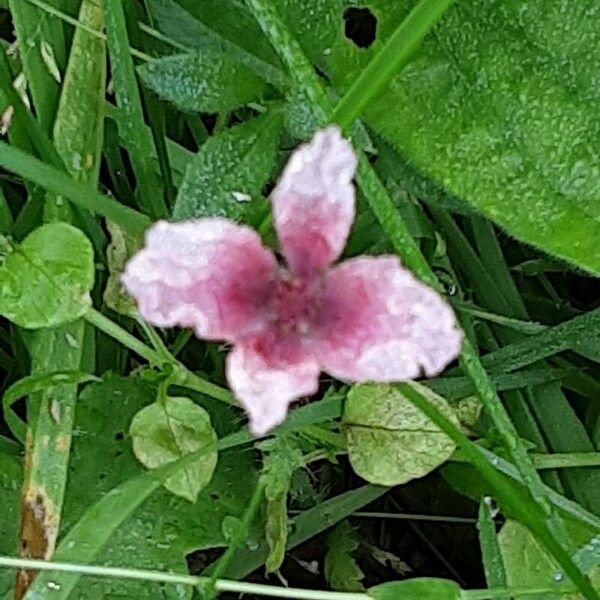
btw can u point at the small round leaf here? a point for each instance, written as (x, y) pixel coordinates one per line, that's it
(46, 280)
(390, 441)
(167, 431)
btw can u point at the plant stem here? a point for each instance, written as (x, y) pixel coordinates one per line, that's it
(566, 460)
(492, 593)
(388, 61)
(406, 517)
(238, 538)
(242, 587)
(185, 377)
(104, 324)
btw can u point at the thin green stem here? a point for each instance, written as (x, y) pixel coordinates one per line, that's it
(492, 593)
(566, 460)
(162, 37)
(98, 320)
(184, 376)
(155, 339)
(238, 539)
(242, 587)
(194, 382)
(388, 61)
(406, 517)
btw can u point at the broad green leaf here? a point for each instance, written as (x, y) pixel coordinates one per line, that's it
(494, 107)
(341, 569)
(529, 565)
(46, 280)
(230, 169)
(389, 441)
(500, 116)
(425, 588)
(169, 429)
(202, 82)
(122, 247)
(165, 528)
(282, 457)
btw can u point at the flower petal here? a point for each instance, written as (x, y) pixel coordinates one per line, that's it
(380, 324)
(313, 203)
(265, 387)
(209, 274)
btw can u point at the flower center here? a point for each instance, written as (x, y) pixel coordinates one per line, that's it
(295, 303)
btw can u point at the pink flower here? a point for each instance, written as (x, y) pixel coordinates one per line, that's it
(367, 319)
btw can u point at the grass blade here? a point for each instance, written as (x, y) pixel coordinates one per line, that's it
(56, 181)
(490, 551)
(78, 140)
(388, 61)
(137, 139)
(34, 30)
(566, 336)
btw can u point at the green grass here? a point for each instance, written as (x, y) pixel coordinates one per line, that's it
(93, 142)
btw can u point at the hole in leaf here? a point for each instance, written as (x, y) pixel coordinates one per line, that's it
(360, 26)
(119, 436)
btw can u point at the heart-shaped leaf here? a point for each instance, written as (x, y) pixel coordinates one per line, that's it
(168, 430)
(389, 440)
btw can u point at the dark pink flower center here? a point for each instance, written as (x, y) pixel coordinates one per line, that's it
(295, 303)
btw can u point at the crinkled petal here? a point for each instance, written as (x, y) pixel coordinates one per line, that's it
(209, 274)
(313, 203)
(378, 323)
(266, 387)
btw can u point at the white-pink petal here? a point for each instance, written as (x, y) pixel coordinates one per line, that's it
(208, 274)
(314, 202)
(379, 323)
(266, 389)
